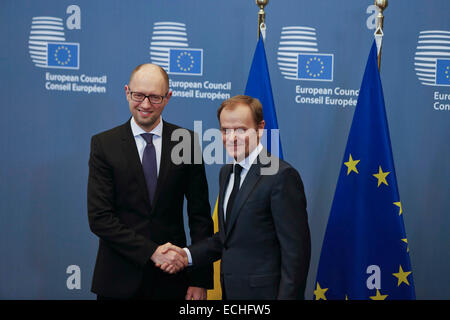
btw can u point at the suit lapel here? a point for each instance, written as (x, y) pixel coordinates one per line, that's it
(246, 188)
(134, 163)
(249, 184)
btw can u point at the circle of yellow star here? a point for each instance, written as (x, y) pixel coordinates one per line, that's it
(402, 276)
(63, 63)
(351, 165)
(379, 296)
(180, 56)
(320, 293)
(381, 176)
(311, 74)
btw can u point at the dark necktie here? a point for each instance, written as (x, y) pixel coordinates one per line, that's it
(237, 181)
(149, 165)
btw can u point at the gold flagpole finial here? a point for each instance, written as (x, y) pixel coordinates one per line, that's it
(261, 14)
(381, 4)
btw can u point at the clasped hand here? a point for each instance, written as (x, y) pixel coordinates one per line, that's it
(170, 258)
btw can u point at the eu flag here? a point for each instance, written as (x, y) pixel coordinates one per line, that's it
(258, 86)
(63, 55)
(365, 253)
(186, 61)
(317, 67)
(443, 71)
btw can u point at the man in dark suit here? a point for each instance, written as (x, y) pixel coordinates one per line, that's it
(263, 238)
(135, 200)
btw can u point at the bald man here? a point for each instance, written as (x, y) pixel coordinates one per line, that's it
(135, 201)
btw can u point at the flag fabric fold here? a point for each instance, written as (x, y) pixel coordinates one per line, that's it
(365, 252)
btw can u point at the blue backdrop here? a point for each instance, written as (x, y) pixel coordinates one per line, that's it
(64, 64)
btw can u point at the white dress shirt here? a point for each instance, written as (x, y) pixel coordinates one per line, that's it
(245, 164)
(141, 143)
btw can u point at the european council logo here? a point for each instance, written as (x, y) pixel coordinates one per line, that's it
(299, 58)
(186, 61)
(318, 67)
(432, 58)
(294, 40)
(169, 49)
(48, 47)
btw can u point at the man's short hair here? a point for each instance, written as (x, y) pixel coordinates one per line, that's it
(253, 103)
(163, 72)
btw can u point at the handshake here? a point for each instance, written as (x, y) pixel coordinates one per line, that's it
(170, 258)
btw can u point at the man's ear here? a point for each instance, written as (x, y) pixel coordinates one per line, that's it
(169, 94)
(261, 126)
(126, 90)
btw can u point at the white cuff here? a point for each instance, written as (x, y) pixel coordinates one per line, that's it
(189, 256)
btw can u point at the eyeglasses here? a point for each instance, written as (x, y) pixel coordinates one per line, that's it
(140, 97)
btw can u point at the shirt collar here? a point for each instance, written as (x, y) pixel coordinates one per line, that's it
(137, 130)
(247, 162)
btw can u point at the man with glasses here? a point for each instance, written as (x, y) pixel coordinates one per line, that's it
(135, 201)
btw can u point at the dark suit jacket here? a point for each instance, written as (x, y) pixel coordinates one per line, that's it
(265, 248)
(128, 227)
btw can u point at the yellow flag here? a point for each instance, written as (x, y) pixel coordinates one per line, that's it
(216, 293)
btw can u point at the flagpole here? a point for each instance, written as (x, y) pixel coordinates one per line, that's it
(261, 14)
(381, 4)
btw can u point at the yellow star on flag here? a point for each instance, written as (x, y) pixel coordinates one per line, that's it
(351, 165)
(399, 204)
(381, 176)
(320, 293)
(402, 276)
(379, 296)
